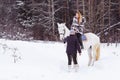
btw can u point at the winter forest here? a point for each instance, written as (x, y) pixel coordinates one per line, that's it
(37, 19)
(31, 46)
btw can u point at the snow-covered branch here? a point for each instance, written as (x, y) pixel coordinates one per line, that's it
(114, 25)
(39, 4)
(15, 52)
(59, 9)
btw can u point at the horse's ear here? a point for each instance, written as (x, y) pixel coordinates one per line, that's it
(58, 24)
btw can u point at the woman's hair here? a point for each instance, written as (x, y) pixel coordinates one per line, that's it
(79, 16)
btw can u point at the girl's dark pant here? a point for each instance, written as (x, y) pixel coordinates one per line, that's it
(79, 39)
(72, 57)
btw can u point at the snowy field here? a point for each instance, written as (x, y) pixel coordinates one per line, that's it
(21, 60)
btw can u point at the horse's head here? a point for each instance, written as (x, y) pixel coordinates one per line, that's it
(61, 30)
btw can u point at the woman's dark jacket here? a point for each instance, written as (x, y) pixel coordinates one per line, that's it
(72, 44)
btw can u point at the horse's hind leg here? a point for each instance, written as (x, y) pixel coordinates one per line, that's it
(98, 52)
(93, 60)
(90, 56)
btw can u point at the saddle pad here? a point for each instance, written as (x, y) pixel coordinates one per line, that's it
(84, 38)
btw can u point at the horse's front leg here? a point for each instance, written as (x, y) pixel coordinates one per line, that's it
(90, 59)
(90, 56)
(93, 56)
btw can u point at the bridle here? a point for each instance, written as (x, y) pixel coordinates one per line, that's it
(63, 34)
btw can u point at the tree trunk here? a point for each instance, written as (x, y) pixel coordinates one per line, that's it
(53, 22)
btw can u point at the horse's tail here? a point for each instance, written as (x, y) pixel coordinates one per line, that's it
(98, 52)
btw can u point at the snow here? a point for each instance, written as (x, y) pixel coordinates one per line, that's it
(20, 3)
(44, 60)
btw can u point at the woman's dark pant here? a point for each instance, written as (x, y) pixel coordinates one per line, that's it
(72, 57)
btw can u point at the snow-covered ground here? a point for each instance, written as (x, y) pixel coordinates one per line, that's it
(48, 61)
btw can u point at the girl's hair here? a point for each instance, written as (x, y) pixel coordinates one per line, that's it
(79, 16)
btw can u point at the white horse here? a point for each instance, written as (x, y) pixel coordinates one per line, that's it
(92, 44)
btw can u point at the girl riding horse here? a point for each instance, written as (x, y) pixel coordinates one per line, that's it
(77, 25)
